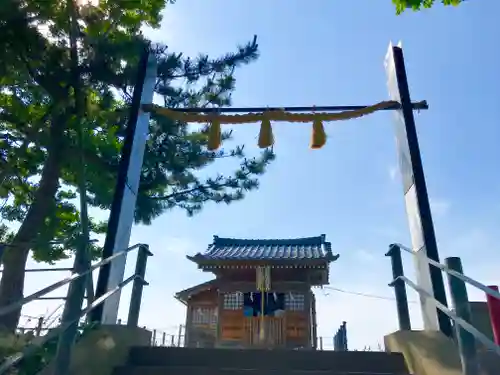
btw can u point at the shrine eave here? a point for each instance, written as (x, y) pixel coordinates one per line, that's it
(205, 263)
(184, 295)
(308, 252)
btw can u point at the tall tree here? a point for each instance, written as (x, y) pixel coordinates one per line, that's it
(402, 5)
(39, 157)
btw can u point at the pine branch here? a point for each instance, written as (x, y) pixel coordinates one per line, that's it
(203, 66)
(213, 186)
(239, 181)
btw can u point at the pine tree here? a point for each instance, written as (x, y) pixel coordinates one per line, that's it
(38, 127)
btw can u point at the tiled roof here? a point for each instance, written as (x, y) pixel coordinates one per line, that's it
(309, 248)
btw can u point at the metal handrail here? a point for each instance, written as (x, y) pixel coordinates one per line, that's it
(451, 272)
(465, 325)
(32, 348)
(62, 269)
(75, 276)
(139, 282)
(466, 333)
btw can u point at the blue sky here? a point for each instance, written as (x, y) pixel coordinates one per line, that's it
(326, 53)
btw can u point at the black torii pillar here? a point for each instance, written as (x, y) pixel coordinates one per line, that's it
(121, 217)
(418, 209)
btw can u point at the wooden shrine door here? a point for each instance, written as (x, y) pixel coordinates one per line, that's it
(274, 334)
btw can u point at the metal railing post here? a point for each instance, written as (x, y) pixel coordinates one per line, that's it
(138, 286)
(71, 313)
(39, 326)
(399, 287)
(344, 336)
(460, 301)
(340, 338)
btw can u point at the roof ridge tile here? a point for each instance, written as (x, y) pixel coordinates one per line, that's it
(302, 248)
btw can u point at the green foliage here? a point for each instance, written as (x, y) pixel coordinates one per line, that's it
(37, 120)
(402, 5)
(37, 358)
(41, 358)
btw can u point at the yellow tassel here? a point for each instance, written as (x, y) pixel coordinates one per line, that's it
(214, 135)
(266, 138)
(318, 138)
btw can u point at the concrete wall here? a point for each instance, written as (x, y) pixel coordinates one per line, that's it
(431, 353)
(425, 352)
(103, 349)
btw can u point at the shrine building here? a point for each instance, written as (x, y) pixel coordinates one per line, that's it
(261, 295)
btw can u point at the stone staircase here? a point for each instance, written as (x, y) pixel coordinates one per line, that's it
(193, 361)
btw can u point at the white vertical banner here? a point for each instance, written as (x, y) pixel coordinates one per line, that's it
(126, 219)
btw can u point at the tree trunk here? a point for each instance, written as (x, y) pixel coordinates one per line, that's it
(12, 284)
(16, 254)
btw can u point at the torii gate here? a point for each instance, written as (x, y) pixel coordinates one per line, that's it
(410, 164)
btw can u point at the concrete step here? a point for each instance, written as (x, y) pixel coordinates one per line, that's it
(185, 370)
(258, 359)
